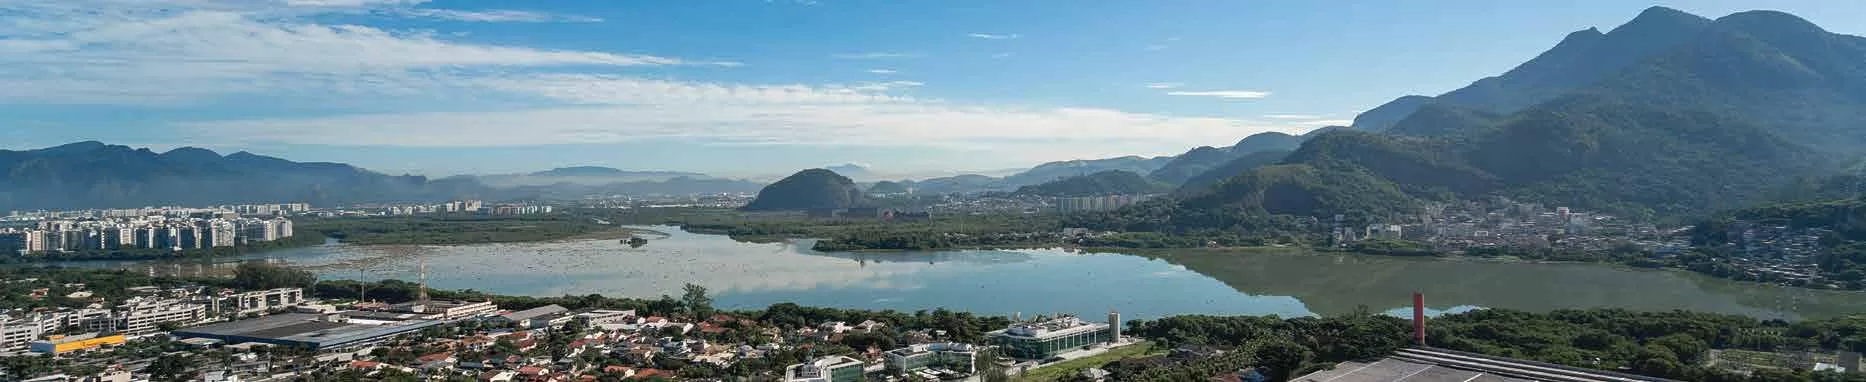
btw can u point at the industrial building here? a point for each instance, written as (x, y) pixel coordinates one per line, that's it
(64, 344)
(1440, 365)
(443, 309)
(1039, 340)
(310, 331)
(955, 357)
(539, 317)
(834, 368)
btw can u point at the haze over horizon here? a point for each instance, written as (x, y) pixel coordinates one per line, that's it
(746, 87)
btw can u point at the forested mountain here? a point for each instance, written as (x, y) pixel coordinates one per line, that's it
(1586, 152)
(1669, 115)
(809, 189)
(887, 187)
(1240, 165)
(1205, 158)
(1063, 169)
(1110, 182)
(1580, 59)
(1762, 67)
(96, 175)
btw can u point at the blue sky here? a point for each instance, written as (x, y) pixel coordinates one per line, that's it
(744, 87)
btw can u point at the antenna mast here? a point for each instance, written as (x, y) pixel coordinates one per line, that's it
(422, 296)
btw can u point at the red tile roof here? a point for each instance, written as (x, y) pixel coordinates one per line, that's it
(441, 356)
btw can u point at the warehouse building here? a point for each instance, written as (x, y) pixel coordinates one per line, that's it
(301, 330)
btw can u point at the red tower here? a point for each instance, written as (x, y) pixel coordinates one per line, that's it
(1418, 318)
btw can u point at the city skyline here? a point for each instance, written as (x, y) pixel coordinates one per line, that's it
(747, 87)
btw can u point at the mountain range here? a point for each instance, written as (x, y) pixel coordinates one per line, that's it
(1670, 114)
(93, 174)
(1770, 68)
(1203, 159)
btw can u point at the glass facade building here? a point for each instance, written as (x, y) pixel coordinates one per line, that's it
(1046, 339)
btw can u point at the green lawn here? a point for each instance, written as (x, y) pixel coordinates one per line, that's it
(1058, 370)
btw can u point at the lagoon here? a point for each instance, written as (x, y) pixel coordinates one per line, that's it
(1157, 283)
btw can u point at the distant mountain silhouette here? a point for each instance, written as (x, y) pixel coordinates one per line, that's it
(96, 175)
(598, 171)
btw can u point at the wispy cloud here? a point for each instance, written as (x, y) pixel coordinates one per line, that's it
(882, 71)
(874, 55)
(995, 36)
(199, 55)
(163, 51)
(1232, 94)
(1155, 47)
(1292, 116)
(497, 15)
(885, 86)
(1000, 55)
(860, 114)
(1163, 85)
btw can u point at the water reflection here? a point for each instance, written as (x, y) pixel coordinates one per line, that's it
(744, 275)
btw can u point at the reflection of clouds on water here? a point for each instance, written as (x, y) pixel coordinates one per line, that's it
(662, 267)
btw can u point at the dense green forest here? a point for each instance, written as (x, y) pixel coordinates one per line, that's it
(1110, 182)
(1661, 344)
(449, 229)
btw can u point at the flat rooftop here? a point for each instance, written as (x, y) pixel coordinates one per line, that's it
(1061, 326)
(1440, 365)
(1393, 369)
(298, 329)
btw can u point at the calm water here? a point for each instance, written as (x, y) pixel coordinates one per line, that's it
(744, 275)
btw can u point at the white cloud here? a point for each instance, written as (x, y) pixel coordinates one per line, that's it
(498, 15)
(605, 109)
(909, 124)
(194, 53)
(886, 86)
(882, 71)
(1000, 55)
(1163, 85)
(1233, 94)
(119, 51)
(1155, 47)
(874, 55)
(1292, 116)
(995, 36)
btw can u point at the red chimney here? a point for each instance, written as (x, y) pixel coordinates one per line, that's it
(1418, 318)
